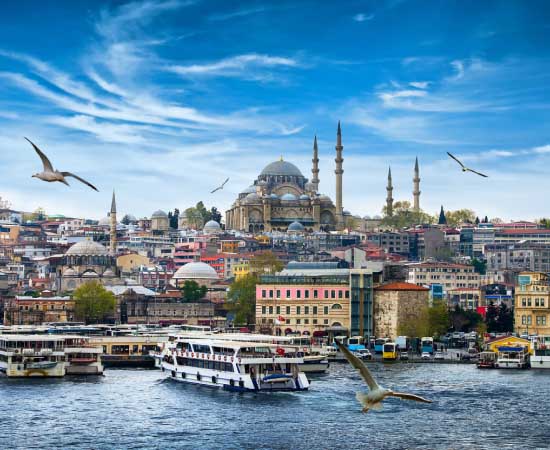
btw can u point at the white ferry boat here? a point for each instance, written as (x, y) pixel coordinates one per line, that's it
(512, 357)
(82, 358)
(541, 358)
(233, 365)
(24, 355)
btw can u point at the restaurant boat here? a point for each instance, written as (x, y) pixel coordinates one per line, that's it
(233, 365)
(512, 357)
(25, 355)
(82, 358)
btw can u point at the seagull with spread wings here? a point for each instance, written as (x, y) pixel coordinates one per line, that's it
(50, 175)
(219, 188)
(373, 399)
(464, 168)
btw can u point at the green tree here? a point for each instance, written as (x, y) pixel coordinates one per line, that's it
(126, 220)
(265, 263)
(215, 215)
(479, 266)
(242, 300)
(505, 319)
(194, 218)
(404, 216)
(491, 318)
(460, 216)
(192, 291)
(544, 222)
(93, 303)
(465, 320)
(427, 321)
(438, 319)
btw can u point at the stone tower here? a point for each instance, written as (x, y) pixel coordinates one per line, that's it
(416, 187)
(315, 168)
(112, 216)
(389, 197)
(339, 171)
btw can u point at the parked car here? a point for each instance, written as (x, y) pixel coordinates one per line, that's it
(404, 355)
(363, 354)
(439, 355)
(426, 355)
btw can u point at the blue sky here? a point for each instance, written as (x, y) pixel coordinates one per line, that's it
(162, 100)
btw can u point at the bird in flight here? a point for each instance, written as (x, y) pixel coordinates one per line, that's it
(219, 188)
(50, 175)
(373, 399)
(464, 168)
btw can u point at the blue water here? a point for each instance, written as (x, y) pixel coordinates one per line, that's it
(140, 409)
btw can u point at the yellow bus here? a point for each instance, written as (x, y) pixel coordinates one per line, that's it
(389, 352)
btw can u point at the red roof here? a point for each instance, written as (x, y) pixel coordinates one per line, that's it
(401, 286)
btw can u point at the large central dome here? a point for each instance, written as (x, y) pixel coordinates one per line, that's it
(282, 168)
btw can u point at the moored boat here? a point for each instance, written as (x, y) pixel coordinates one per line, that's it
(541, 357)
(510, 357)
(32, 355)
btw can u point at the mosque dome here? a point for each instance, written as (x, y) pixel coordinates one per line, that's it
(211, 227)
(159, 215)
(324, 198)
(109, 273)
(296, 227)
(289, 197)
(90, 274)
(249, 190)
(274, 196)
(196, 271)
(87, 248)
(105, 222)
(282, 168)
(304, 197)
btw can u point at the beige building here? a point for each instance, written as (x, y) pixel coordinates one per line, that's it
(451, 276)
(395, 304)
(532, 304)
(128, 263)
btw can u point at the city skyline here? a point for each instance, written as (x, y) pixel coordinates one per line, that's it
(162, 100)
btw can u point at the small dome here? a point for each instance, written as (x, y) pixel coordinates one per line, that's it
(296, 227)
(304, 197)
(282, 168)
(70, 272)
(249, 190)
(274, 196)
(159, 215)
(252, 197)
(262, 183)
(90, 274)
(87, 248)
(196, 271)
(105, 222)
(289, 197)
(109, 273)
(310, 187)
(211, 227)
(131, 218)
(325, 198)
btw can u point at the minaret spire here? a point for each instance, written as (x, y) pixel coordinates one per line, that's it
(315, 168)
(389, 197)
(416, 187)
(112, 234)
(339, 171)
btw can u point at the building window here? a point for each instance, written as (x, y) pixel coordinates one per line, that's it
(315, 310)
(315, 293)
(264, 309)
(529, 320)
(306, 310)
(298, 294)
(271, 293)
(340, 294)
(278, 310)
(264, 293)
(271, 310)
(306, 321)
(325, 321)
(298, 310)
(347, 294)
(336, 306)
(288, 293)
(278, 293)
(325, 310)
(288, 309)
(306, 293)
(326, 294)
(298, 321)
(537, 302)
(523, 302)
(314, 321)
(529, 301)
(333, 294)
(541, 302)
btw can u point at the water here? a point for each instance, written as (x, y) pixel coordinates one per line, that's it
(138, 409)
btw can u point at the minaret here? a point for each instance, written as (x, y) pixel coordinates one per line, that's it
(315, 168)
(416, 187)
(389, 197)
(112, 216)
(339, 171)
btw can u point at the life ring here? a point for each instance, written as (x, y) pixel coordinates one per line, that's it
(207, 356)
(239, 360)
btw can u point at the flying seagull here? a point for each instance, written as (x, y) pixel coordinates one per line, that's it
(464, 168)
(219, 188)
(50, 175)
(376, 393)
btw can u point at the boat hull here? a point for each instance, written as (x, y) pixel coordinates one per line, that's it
(540, 362)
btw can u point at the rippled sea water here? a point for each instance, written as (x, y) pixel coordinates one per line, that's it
(472, 409)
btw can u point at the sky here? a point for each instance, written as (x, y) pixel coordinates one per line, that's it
(161, 100)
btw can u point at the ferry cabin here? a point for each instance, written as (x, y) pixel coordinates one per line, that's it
(82, 357)
(32, 355)
(512, 357)
(238, 366)
(541, 358)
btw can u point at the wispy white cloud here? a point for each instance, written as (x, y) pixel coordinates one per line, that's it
(362, 17)
(236, 14)
(248, 66)
(419, 84)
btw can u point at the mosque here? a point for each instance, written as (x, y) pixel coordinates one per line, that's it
(282, 199)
